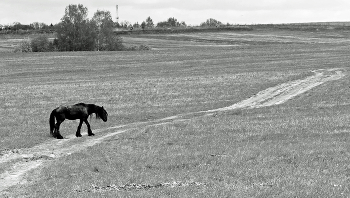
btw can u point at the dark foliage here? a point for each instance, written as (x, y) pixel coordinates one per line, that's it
(211, 23)
(75, 32)
(106, 40)
(41, 44)
(171, 22)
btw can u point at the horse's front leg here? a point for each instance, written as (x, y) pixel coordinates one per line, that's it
(78, 134)
(89, 128)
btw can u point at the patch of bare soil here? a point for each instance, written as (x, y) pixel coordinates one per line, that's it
(21, 161)
(286, 91)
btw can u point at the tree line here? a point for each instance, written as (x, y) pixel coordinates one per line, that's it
(17, 27)
(76, 32)
(148, 23)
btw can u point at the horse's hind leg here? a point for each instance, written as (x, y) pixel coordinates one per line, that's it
(78, 134)
(53, 131)
(57, 130)
(89, 128)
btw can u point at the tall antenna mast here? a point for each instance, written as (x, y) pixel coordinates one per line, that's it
(117, 15)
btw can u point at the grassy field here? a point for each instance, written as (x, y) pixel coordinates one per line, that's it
(297, 149)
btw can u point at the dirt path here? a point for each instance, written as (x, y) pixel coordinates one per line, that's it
(21, 161)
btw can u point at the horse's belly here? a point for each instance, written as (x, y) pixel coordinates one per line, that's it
(73, 116)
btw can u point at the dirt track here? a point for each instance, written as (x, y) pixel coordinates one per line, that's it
(24, 160)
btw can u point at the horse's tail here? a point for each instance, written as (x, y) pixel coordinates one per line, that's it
(52, 122)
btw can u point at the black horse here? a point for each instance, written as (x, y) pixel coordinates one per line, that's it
(78, 111)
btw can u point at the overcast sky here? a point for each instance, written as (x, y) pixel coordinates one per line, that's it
(193, 12)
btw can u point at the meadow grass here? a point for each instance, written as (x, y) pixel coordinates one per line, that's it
(295, 149)
(290, 150)
(133, 86)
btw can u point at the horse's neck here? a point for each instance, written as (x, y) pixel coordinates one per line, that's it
(93, 108)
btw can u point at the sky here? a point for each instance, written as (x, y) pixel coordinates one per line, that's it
(193, 12)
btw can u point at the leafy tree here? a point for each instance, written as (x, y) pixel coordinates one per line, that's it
(163, 24)
(149, 22)
(143, 25)
(104, 23)
(211, 22)
(125, 24)
(116, 24)
(136, 25)
(18, 26)
(35, 25)
(106, 40)
(171, 22)
(75, 32)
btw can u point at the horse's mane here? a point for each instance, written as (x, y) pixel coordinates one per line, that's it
(98, 115)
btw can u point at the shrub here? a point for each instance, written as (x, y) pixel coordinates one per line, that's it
(144, 47)
(137, 48)
(112, 43)
(24, 46)
(40, 44)
(116, 44)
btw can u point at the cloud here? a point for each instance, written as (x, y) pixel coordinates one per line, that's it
(190, 11)
(236, 5)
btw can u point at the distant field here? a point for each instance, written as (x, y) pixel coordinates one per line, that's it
(294, 149)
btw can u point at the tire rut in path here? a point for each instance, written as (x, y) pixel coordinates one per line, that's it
(25, 160)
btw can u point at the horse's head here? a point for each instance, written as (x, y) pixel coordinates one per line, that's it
(102, 113)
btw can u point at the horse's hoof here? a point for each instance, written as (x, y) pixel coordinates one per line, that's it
(78, 135)
(91, 134)
(59, 137)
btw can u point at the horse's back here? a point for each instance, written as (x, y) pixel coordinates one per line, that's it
(73, 112)
(61, 109)
(76, 111)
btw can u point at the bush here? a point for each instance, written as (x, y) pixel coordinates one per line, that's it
(41, 44)
(137, 48)
(24, 46)
(112, 43)
(115, 43)
(144, 47)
